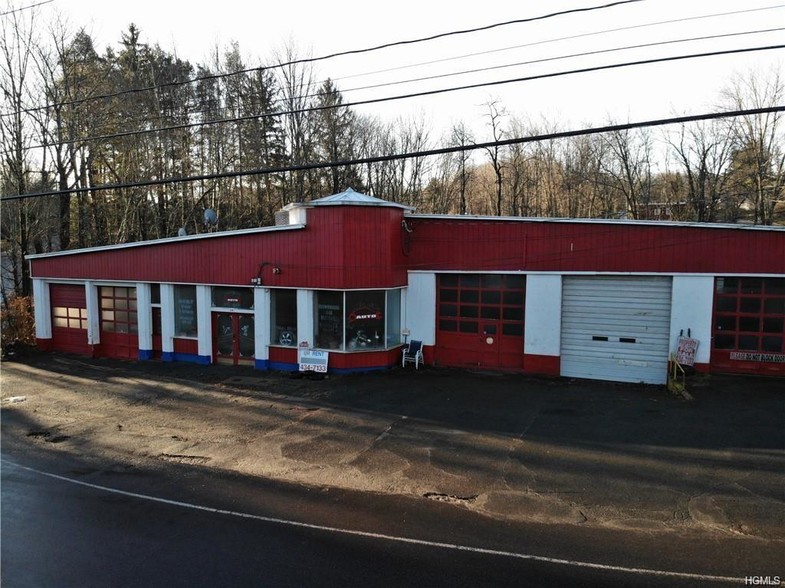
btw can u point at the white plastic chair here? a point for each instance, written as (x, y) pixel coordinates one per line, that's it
(412, 353)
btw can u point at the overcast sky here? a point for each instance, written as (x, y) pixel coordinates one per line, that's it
(194, 28)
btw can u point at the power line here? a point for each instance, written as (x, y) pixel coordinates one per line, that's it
(333, 55)
(409, 155)
(559, 58)
(427, 93)
(25, 7)
(559, 39)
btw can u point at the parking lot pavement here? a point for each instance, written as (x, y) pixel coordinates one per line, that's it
(508, 446)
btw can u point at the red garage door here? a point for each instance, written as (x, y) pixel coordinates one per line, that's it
(748, 334)
(119, 322)
(69, 318)
(480, 320)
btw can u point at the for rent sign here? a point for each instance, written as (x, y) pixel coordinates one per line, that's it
(312, 360)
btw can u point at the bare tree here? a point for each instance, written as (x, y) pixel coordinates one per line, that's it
(704, 150)
(759, 162)
(629, 168)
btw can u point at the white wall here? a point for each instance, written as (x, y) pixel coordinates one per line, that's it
(542, 334)
(261, 322)
(42, 310)
(692, 299)
(93, 314)
(144, 314)
(420, 308)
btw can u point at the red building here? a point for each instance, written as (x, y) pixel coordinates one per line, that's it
(355, 276)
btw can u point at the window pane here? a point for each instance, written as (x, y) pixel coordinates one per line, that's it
(725, 342)
(449, 310)
(726, 304)
(121, 303)
(772, 344)
(513, 314)
(749, 305)
(448, 295)
(470, 296)
(155, 293)
(491, 297)
(749, 323)
(751, 286)
(185, 311)
(515, 282)
(107, 315)
(107, 302)
(513, 298)
(727, 285)
(60, 322)
(490, 312)
(773, 325)
(121, 292)
(492, 281)
(448, 326)
(121, 317)
(232, 297)
(469, 311)
(329, 320)
(59, 311)
(393, 318)
(748, 342)
(108, 327)
(365, 319)
(726, 323)
(449, 281)
(775, 306)
(774, 285)
(468, 327)
(470, 281)
(284, 315)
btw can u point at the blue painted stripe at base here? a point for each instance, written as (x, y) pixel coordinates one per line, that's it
(261, 364)
(145, 354)
(186, 357)
(280, 366)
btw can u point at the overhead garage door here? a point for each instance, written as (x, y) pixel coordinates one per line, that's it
(616, 328)
(69, 318)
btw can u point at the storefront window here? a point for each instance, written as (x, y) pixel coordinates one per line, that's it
(749, 315)
(364, 320)
(329, 320)
(185, 311)
(393, 320)
(232, 298)
(358, 320)
(284, 315)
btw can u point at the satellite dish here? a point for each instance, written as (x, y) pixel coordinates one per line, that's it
(182, 232)
(210, 217)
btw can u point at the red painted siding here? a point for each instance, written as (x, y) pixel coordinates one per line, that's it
(342, 247)
(471, 244)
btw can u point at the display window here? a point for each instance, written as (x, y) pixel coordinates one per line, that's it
(358, 320)
(284, 317)
(185, 324)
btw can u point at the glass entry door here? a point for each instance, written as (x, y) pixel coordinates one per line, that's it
(233, 338)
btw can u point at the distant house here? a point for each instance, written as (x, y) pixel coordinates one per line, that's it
(352, 277)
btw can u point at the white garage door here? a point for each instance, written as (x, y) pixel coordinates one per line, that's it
(616, 328)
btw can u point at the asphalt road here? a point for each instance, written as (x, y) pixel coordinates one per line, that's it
(81, 522)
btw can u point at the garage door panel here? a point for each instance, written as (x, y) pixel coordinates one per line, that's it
(616, 328)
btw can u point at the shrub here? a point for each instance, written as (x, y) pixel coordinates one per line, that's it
(17, 323)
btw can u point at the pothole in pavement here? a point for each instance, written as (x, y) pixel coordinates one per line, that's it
(441, 497)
